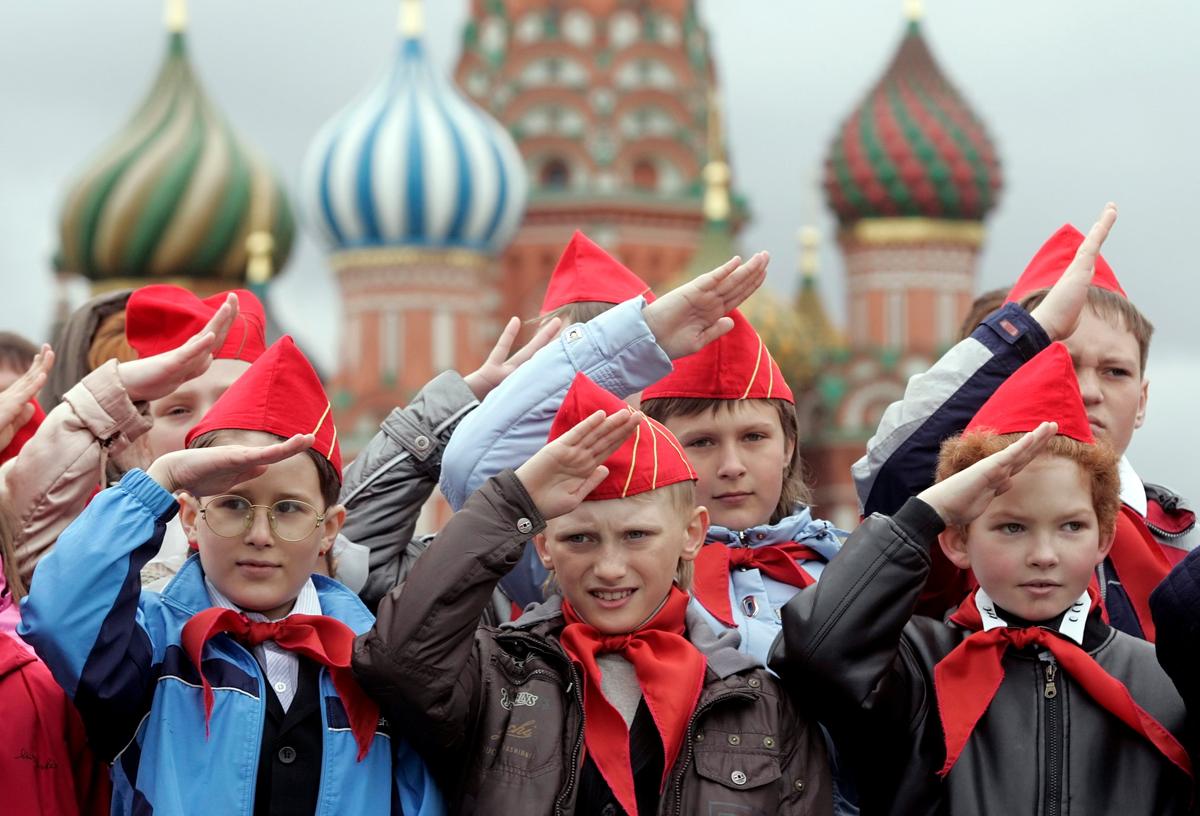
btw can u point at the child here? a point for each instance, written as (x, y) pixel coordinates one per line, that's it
(231, 688)
(587, 282)
(613, 697)
(1109, 342)
(624, 350)
(1025, 699)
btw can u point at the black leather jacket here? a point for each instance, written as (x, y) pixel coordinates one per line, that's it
(851, 637)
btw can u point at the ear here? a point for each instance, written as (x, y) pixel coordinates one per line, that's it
(1142, 399)
(189, 517)
(697, 528)
(335, 517)
(1106, 545)
(954, 544)
(543, 552)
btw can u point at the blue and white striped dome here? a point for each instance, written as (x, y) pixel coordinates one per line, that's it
(413, 162)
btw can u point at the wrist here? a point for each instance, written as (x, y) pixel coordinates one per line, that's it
(162, 474)
(478, 384)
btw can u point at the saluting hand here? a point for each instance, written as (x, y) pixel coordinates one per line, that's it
(1058, 313)
(155, 377)
(963, 497)
(496, 368)
(16, 407)
(691, 316)
(212, 471)
(561, 475)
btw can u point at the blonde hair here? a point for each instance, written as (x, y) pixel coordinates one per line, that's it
(1098, 462)
(571, 313)
(1117, 310)
(680, 497)
(109, 342)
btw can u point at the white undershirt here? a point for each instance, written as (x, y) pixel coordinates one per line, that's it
(281, 666)
(1133, 492)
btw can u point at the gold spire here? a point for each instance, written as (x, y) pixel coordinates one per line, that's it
(412, 19)
(914, 10)
(810, 256)
(175, 16)
(716, 171)
(260, 246)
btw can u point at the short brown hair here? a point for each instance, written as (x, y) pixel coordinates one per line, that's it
(981, 307)
(8, 554)
(327, 475)
(571, 313)
(795, 490)
(109, 342)
(1099, 462)
(16, 352)
(1117, 310)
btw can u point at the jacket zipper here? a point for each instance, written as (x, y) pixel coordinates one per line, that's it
(573, 688)
(691, 741)
(1053, 736)
(1161, 533)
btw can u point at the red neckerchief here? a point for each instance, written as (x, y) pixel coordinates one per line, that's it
(670, 671)
(319, 637)
(967, 679)
(711, 582)
(1140, 564)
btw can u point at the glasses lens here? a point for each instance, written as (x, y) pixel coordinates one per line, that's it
(226, 515)
(294, 520)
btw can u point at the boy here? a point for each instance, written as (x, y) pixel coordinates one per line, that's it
(587, 282)
(1025, 700)
(232, 688)
(611, 697)
(1109, 342)
(624, 350)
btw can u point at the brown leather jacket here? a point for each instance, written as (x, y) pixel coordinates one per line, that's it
(497, 712)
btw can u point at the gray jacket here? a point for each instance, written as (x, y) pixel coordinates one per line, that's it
(387, 484)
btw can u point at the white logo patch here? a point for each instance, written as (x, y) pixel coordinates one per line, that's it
(523, 698)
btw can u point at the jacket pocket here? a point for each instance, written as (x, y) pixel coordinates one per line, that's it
(521, 726)
(737, 770)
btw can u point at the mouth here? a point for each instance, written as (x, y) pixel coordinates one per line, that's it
(1040, 588)
(1096, 424)
(734, 497)
(611, 598)
(260, 568)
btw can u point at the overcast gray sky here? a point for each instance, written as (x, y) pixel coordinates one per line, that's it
(1087, 100)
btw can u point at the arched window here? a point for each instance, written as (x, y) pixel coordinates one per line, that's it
(555, 174)
(645, 175)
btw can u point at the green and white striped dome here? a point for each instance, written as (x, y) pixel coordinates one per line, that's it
(174, 195)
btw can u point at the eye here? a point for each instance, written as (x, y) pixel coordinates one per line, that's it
(176, 411)
(576, 538)
(1012, 528)
(282, 508)
(700, 442)
(232, 504)
(635, 535)
(1075, 526)
(755, 436)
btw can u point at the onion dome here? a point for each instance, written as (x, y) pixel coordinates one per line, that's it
(913, 147)
(175, 194)
(413, 162)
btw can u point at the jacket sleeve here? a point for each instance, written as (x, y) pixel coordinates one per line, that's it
(56, 473)
(845, 631)
(386, 486)
(1175, 604)
(83, 616)
(616, 349)
(420, 661)
(902, 455)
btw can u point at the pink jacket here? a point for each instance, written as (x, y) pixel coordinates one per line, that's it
(50, 482)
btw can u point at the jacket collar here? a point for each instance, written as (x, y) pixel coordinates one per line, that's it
(720, 650)
(187, 593)
(799, 527)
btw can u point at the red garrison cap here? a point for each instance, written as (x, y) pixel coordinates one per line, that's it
(24, 433)
(585, 272)
(1045, 389)
(162, 317)
(280, 394)
(649, 459)
(1053, 259)
(737, 365)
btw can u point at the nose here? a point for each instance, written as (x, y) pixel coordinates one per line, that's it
(1089, 385)
(1042, 552)
(259, 534)
(610, 564)
(730, 465)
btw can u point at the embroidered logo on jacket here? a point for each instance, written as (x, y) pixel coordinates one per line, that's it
(523, 698)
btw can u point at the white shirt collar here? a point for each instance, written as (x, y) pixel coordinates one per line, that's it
(307, 602)
(1133, 492)
(1072, 624)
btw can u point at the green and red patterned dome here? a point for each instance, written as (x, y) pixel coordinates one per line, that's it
(913, 147)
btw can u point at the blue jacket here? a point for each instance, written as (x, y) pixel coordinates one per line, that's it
(116, 652)
(616, 350)
(1175, 605)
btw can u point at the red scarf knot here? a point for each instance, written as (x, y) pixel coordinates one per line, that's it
(777, 561)
(326, 640)
(670, 672)
(967, 679)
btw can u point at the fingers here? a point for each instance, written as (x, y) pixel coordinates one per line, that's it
(591, 482)
(710, 333)
(719, 274)
(1016, 456)
(743, 281)
(548, 331)
(612, 433)
(28, 384)
(504, 342)
(582, 429)
(1085, 256)
(271, 454)
(221, 321)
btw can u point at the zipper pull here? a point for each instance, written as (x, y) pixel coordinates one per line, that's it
(1051, 690)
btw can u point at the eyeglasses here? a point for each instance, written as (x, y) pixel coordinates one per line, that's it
(232, 516)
